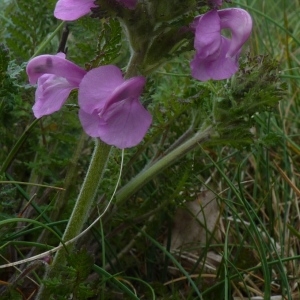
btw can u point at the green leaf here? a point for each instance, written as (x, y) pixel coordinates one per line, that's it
(82, 262)
(28, 26)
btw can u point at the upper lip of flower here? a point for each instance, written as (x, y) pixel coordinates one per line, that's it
(240, 23)
(71, 10)
(131, 88)
(56, 65)
(217, 56)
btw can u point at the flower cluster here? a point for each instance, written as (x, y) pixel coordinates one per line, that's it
(109, 105)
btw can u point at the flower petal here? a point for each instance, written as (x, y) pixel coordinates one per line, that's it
(124, 125)
(97, 87)
(127, 124)
(51, 94)
(131, 88)
(56, 65)
(90, 122)
(208, 34)
(219, 68)
(70, 10)
(240, 23)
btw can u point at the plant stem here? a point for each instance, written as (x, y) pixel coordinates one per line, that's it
(43, 45)
(135, 62)
(81, 210)
(147, 174)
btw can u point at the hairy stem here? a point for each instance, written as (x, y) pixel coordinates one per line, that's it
(81, 210)
(147, 174)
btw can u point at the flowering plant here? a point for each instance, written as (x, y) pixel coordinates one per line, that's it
(109, 105)
(155, 79)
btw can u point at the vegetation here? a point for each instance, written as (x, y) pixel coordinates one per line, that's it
(207, 216)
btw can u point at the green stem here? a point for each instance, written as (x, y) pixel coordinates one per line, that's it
(43, 45)
(146, 175)
(136, 60)
(80, 211)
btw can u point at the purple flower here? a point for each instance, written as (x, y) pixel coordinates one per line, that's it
(70, 10)
(217, 56)
(56, 77)
(109, 105)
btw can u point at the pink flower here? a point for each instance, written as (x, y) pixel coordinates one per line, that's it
(217, 56)
(109, 105)
(56, 78)
(70, 10)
